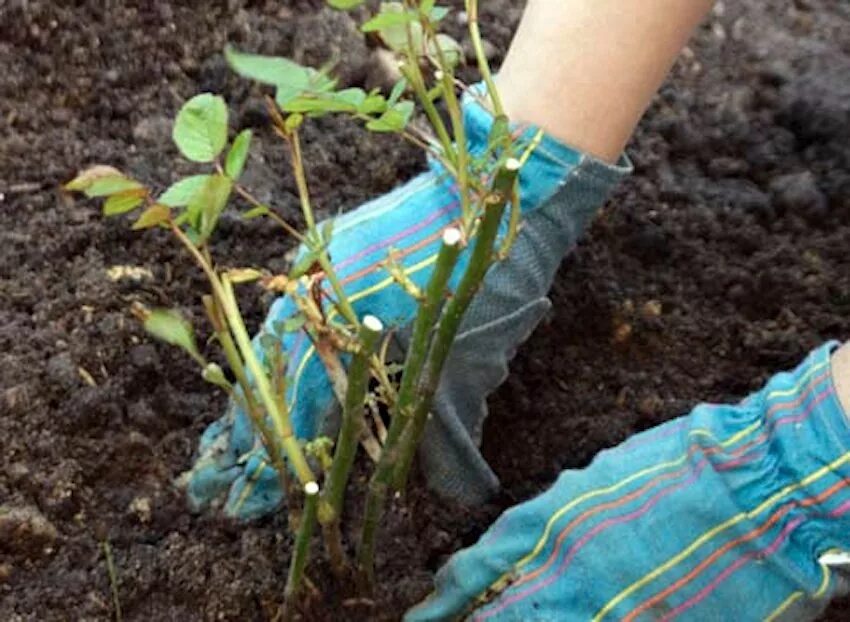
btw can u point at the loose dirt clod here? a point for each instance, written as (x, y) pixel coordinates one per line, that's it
(25, 531)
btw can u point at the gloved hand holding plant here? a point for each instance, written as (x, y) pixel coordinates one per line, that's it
(426, 292)
(453, 267)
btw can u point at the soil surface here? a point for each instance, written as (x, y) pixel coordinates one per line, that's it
(723, 259)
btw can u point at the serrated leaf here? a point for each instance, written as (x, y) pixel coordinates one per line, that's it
(345, 5)
(170, 326)
(200, 130)
(208, 204)
(123, 202)
(85, 178)
(256, 212)
(234, 164)
(153, 216)
(394, 119)
(181, 192)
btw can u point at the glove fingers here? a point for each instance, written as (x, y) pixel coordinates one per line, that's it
(477, 365)
(256, 491)
(216, 466)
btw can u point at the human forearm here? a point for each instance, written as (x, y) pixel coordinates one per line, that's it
(585, 70)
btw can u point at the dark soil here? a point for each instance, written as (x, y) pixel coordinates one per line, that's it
(722, 260)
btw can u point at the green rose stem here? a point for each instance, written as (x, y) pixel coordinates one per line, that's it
(483, 65)
(224, 296)
(430, 306)
(313, 236)
(301, 548)
(280, 417)
(246, 398)
(353, 423)
(480, 261)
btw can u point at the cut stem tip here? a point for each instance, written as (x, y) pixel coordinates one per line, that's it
(373, 324)
(451, 236)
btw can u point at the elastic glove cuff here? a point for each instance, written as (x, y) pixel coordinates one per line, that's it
(550, 162)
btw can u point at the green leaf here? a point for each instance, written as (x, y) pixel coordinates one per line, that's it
(200, 130)
(234, 164)
(243, 275)
(290, 325)
(388, 18)
(437, 13)
(274, 70)
(256, 212)
(107, 186)
(293, 122)
(394, 119)
(290, 78)
(170, 326)
(182, 192)
(398, 90)
(269, 342)
(85, 178)
(345, 5)
(304, 263)
(347, 100)
(122, 203)
(353, 97)
(393, 27)
(327, 231)
(153, 216)
(451, 49)
(208, 204)
(374, 102)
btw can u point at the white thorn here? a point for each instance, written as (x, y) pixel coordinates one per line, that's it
(311, 488)
(513, 164)
(451, 236)
(438, 75)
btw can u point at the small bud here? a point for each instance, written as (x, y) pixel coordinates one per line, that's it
(215, 375)
(311, 489)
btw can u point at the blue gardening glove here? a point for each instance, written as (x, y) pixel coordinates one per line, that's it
(560, 190)
(730, 513)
